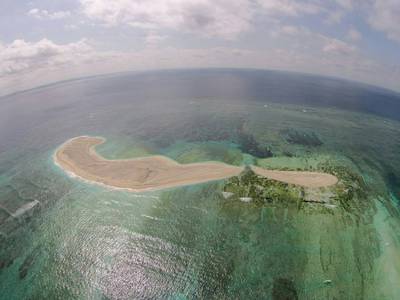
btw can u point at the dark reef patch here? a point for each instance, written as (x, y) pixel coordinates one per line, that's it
(28, 262)
(193, 128)
(393, 181)
(299, 137)
(248, 144)
(284, 289)
(26, 265)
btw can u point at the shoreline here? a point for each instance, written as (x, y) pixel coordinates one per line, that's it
(78, 158)
(137, 174)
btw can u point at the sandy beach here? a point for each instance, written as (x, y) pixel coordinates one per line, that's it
(302, 178)
(78, 157)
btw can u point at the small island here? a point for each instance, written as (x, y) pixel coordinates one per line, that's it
(79, 158)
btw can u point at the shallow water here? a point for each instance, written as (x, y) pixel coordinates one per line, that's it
(84, 241)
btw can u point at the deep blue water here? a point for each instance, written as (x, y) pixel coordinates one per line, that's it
(252, 85)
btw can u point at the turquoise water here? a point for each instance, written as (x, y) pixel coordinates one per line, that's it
(66, 239)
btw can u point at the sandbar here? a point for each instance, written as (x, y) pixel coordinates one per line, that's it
(78, 157)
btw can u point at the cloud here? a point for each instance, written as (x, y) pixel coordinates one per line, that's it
(71, 27)
(303, 40)
(346, 4)
(28, 64)
(153, 39)
(354, 35)
(289, 7)
(381, 15)
(335, 16)
(221, 18)
(46, 15)
(292, 30)
(384, 16)
(338, 47)
(211, 18)
(21, 56)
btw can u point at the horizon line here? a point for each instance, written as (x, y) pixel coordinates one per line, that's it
(138, 72)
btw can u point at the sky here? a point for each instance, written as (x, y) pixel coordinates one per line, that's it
(51, 40)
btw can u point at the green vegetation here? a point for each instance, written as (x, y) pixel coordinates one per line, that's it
(350, 194)
(260, 189)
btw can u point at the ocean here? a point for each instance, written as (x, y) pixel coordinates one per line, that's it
(62, 238)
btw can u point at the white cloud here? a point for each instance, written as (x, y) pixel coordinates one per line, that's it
(354, 35)
(338, 47)
(335, 16)
(289, 7)
(303, 40)
(21, 56)
(46, 15)
(291, 30)
(385, 16)
(71, 27)
(346, 4)
(28, 64)
(153, 39)
(381, 15)
(220, 18)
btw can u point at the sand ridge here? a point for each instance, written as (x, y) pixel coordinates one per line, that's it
(302, 178)
(78, 156)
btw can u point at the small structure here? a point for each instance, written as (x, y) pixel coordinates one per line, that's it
(246, 199)
(227, 195)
